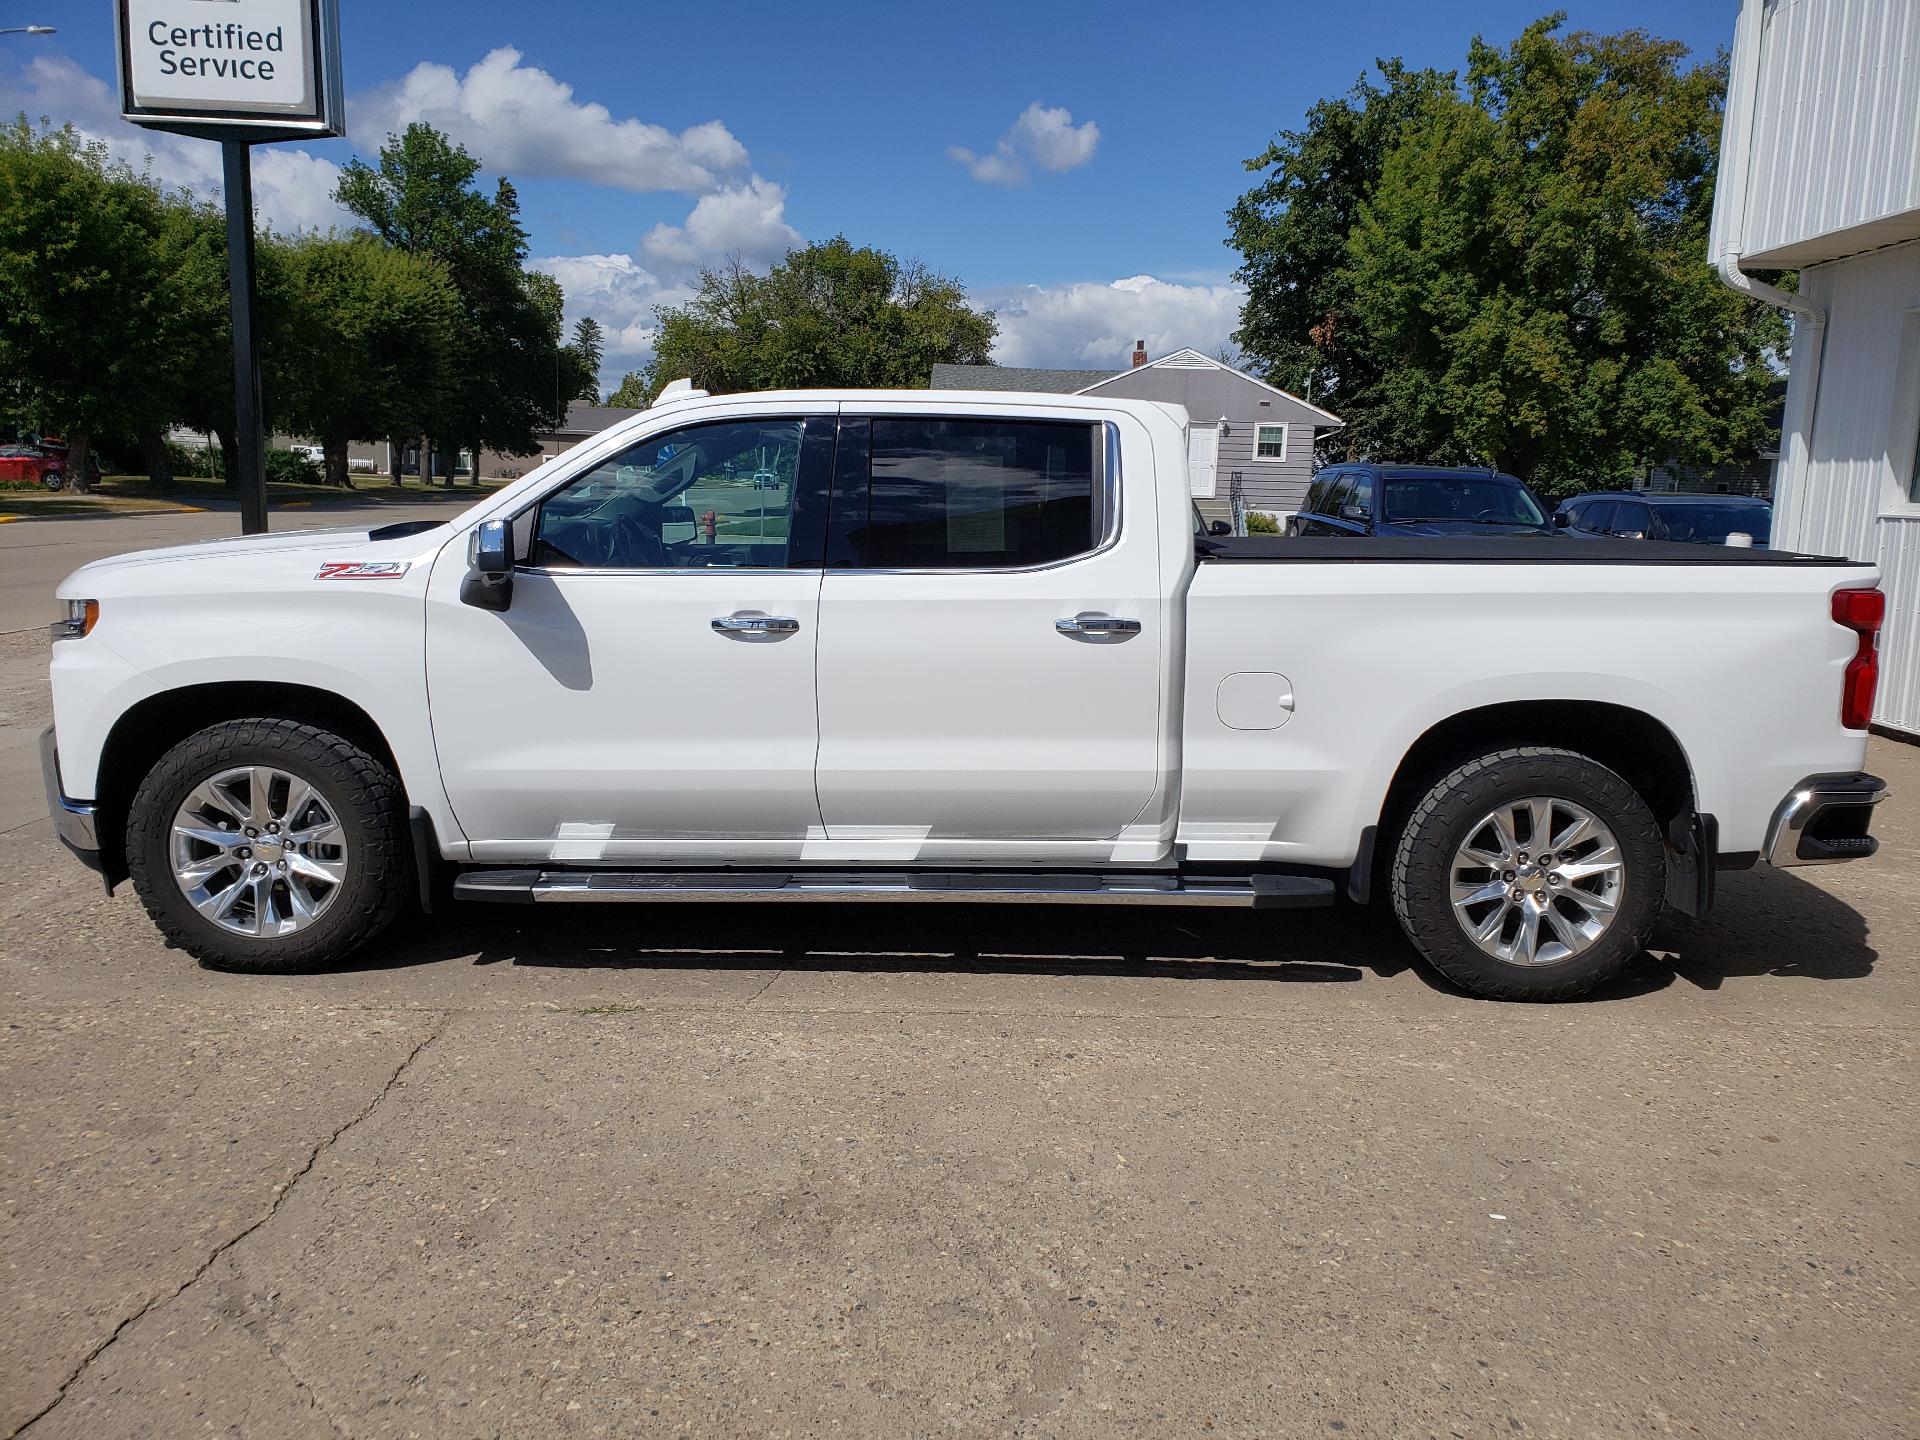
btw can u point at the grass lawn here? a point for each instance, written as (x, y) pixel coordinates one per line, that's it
(133, 495)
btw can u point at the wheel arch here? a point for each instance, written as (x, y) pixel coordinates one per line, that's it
(153, 726)
(1633, 744)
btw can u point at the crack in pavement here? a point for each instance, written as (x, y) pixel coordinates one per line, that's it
(281, 1192)
(762, 990)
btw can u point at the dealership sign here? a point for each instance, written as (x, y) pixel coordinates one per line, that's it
(263, 68)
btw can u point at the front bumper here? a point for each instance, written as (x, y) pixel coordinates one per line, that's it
(73, 820)
(1825, 820)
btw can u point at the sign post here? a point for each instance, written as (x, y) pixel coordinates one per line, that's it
(244, 73)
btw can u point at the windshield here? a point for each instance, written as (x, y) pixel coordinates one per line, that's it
(1709, 523)
(1463, 499)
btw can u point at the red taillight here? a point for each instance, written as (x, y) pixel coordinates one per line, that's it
(1861, 611)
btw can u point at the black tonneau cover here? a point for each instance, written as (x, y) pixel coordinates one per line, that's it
(1491, 550)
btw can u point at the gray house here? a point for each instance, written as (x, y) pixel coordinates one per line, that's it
(1250, 446)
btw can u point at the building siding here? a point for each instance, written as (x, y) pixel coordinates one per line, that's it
(1850, 501)
(1212, 393)
(1835, 126)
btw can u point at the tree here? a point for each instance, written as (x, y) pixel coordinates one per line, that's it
(360, 341)
(1520, 282)
(93, 317)
(589, 344)
(632, 391)
(421, 197)
(1291, 231)
(828, 315)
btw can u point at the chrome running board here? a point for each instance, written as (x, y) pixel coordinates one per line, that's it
(530, 886)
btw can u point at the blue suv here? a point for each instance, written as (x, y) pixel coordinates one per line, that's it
(1412, 500)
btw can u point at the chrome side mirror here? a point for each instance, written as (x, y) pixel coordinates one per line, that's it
(489, 582)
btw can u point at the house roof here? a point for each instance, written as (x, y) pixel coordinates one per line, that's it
(1014, 377)
(592, 419)
(1191, 359)
(1083, 382)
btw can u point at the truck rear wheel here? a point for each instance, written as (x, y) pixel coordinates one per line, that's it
(1529, 874)
(269, 846)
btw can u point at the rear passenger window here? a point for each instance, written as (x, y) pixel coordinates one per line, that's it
(975, 495)
(1595, 517)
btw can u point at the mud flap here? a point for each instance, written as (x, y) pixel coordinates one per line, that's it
(1693, 841)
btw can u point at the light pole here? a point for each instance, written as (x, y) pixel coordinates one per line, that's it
(29, 30)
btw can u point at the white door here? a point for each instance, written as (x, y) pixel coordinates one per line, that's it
(1203, 460)
(649, 691)
(990, 648)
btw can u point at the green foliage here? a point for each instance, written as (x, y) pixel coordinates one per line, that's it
(94, 315)
(195, 460)
(589, 344)
(1261, 523)
(1520, 277)
(286, 468)
(509, 377)
(360, 340)
(828, 315)
(632, 391)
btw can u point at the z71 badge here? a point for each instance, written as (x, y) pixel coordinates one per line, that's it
(363, 570)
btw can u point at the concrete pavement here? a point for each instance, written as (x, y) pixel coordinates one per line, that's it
(894, 1171)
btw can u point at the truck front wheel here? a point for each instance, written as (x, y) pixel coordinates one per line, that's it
(269, 846)
(1529, 874)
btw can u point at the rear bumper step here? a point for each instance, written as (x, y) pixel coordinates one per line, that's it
(530, 886)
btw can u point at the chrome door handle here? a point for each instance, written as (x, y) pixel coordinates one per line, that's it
(1097, 625)
(756, 624)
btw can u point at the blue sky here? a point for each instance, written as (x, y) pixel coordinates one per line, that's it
(1070, 163)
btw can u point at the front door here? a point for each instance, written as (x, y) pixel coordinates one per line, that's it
(1203, 460)
(992, 638)
(649, 691)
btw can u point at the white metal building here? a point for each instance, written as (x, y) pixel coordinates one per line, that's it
(1820, 173)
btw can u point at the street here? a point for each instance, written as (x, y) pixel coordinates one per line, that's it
(947, 1170)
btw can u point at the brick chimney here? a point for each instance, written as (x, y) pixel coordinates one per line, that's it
(1139, 353)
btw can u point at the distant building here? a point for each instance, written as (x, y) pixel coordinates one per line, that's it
(1250, 445)
(1820, 173)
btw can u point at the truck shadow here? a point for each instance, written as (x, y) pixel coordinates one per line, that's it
(1768, 925)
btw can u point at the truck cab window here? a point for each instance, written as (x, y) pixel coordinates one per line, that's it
(972, 495)
(705, 496)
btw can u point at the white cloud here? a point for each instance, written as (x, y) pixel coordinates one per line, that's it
(622, 295)
(292, 189)
(1094, 325)
(520, 119)
(1043, 135)
(748, 221)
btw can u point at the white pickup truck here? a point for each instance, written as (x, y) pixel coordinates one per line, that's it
(925, 646)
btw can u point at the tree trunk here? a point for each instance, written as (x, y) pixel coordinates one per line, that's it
(153, 449)
(229, 458)
(80, 462)
(334, 465)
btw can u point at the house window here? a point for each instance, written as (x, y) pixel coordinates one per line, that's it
(1270, 442)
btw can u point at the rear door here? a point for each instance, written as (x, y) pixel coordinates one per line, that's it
(991, 637)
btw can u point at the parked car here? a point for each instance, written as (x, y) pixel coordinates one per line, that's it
(1417, 500)
(40, 462)
(987, 658)
(1688, 519)
(316, 453)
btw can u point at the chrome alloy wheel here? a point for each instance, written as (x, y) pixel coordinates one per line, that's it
(258, 852)
(1537, 881)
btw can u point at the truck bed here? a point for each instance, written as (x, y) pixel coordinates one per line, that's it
(1494, 550)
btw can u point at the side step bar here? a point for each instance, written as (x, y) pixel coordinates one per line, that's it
(525, 887)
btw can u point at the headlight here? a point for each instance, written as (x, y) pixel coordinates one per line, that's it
(81, 617)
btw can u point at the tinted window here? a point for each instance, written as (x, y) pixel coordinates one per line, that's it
(703, 496)
(1361, 495)
(1593, 518)
(1468, 499)
(1315, 503)
(1630, 518)
(1337, 494)
(975, 494)
(1708, 523)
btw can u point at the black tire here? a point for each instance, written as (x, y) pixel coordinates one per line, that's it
(361, 791)
(1422, 870)
(53, 480)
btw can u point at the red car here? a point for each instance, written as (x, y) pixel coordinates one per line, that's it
(44, 462)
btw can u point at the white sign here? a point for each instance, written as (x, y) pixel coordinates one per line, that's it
(258, 65)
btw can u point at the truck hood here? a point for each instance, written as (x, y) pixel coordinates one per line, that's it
(355, 542)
